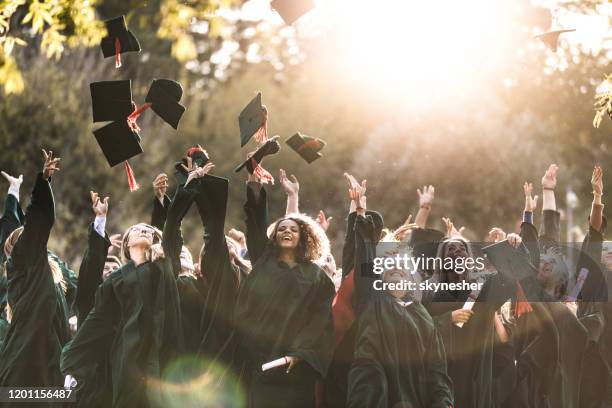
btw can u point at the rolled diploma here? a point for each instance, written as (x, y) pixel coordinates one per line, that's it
(276, 363)
(469, 304)
(584, 272)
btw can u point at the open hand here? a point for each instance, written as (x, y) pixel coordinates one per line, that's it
(530, 202)
(597, 180)
(549, 180)
(426, 196)
(14, 182)
(160, 185)
(99, 207)
(323, 221)
(51, 164)
(291, 187)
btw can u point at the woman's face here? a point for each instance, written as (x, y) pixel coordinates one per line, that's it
(288, 234)
(546, 270)
(456, 249)
(606, 256)
(140, 235)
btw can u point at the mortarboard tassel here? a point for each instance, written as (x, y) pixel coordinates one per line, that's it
(264, 175)
(311, 144)
(522, 304)
(196, 149)
(262, 133)
(117, 53)
(134, 186)
(134, 116)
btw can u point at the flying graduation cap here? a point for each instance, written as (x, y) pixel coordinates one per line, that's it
(111, 100)
(118, 40)
(164, 96)
(291, 10)
(253, 120)
(551, 38)
(307, 147)
(253, 163)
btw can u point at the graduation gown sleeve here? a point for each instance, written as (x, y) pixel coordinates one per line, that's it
(550, 230)
(256, 211)
(348, 249)
(90, 272)
(160, 212)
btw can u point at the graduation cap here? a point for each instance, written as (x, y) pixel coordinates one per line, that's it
(111, 100)
(164, 96)
(198, 156)
(252, 164)
(551, 38)
(291, 10)
(120, 142)
(512, 263)
(118, 40)
(253, 120)
(306, 146)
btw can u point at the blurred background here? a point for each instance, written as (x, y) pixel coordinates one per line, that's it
(405, 93)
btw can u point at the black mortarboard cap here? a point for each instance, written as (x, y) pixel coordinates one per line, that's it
(292, 10)
(111, 100)
(551, 38)
(118, 142)
(306, 146)
(117, 29)
(271, 146)
(251, 119)
(512, 263)
(164, 96)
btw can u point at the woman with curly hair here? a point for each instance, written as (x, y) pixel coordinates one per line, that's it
(284, 306)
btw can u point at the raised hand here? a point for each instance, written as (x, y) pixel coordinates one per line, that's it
(530, 202)
(451, 231)
(597, 181)
(323, 221)
(237, 236)
(291, 187)
(14, 182)
(195, 172)
(51, 164)
(354, 184)
(356, 195)
(514, 239)
(496, 234)
(160, 185)
(549, 180)
(115, 240)
(99, 207)
(426, 196)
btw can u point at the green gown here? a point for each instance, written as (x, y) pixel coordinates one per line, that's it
(135, 323)
(399, 357)
(281, 311)
(31, 352)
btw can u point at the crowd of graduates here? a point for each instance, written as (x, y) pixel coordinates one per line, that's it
(142, 302)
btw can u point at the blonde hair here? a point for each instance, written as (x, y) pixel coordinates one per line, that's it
(125, 251)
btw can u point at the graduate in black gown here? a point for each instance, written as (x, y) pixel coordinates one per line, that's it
(37, 307)
(135, 321)
(284, 306)
(471, 350)
(399, 357)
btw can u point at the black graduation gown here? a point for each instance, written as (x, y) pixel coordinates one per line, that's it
(136, 323)
(12, 218)
(399, 357)
(39, 327)
(160, 212)
(282, 311)
(94, 390)
(472, 350)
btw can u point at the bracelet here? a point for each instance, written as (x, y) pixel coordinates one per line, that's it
(426, 207)
(545, 188)
(359, 209)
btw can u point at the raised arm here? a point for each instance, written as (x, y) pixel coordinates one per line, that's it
(161, 202)
(39, 217)
(256, 211)
(292, 189)
(550, 230)
(426, 197)
(348, 249)
(92, 265)
(529, 233)
(12, 215)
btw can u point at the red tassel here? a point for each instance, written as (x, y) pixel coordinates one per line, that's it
(262, 134)
(522, 304)
(196, 149)
(117, 53)
(264, 175)
(134, 116)
(314, 144)
(134, 186)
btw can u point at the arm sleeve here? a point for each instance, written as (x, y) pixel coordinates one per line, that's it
(348, 249)
(438, 382)
(172, 239)
(39, 219)
(550, 229)
(160, 212)
(90, 272)
(365, 250)
(529, 235)
(256, 211)
(11, 218)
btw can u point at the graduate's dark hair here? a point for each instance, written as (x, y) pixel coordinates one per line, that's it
(313, 245)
